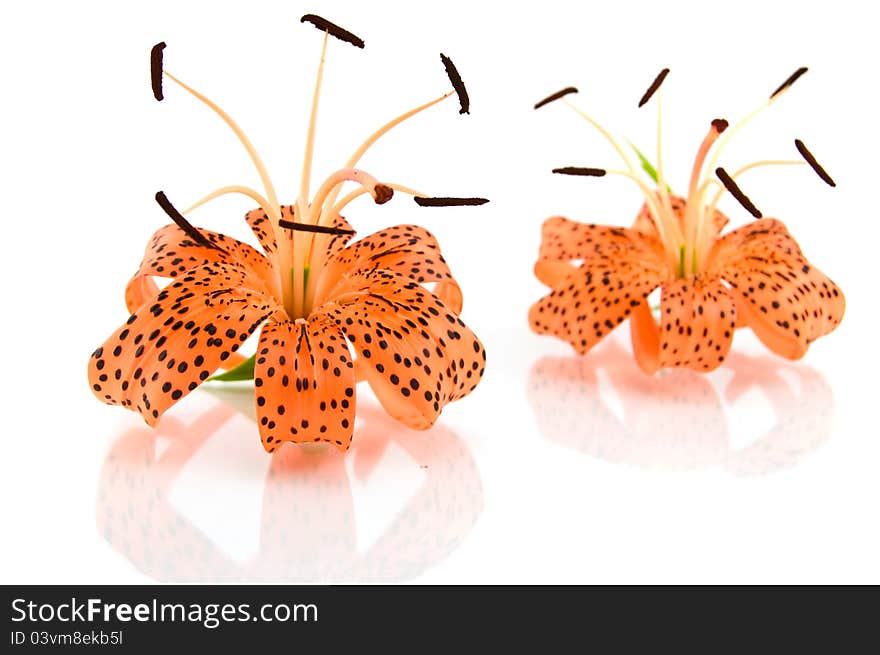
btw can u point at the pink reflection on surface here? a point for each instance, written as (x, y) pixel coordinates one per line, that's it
(603, 405)
(307, 518)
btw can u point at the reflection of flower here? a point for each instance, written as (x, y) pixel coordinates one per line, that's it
(313, 297)
(677, 420)
(307, 523)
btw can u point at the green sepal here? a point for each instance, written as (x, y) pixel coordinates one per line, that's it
(244, 371)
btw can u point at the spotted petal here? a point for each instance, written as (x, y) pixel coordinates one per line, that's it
(414, 351)
(171, 253)
(174, 341)
(259, 223)
(697, 322)
(304, 381)
(620, 269)
(645, 224)
(409, 250)
(786, 301)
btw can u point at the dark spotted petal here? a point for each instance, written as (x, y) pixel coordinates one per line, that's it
(171, 253)
(786, 301)
(259, 223)
(620, 268)
(174, 341)
(414, 351)
(697, 322)
(409, 250)
(304, 383)
(645, 224)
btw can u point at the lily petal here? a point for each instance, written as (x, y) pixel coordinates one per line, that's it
(620, 268)
(698, 317)
(259, 223)
(645, 224)
(305, 386)
(171, 253)
(414, 351)
(173, 342)
(786, 301)
(409, 250)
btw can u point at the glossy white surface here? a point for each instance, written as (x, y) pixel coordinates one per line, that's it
(558, 468)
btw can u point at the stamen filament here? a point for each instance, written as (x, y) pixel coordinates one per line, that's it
(339, 178)
(662, 187)
(338, 207)
(273, 209)
(779, 92)
(245, 141)
(375, 136)
(605, 134)
(243, 190)
(669, 233)
(693, 216)
(313, 118)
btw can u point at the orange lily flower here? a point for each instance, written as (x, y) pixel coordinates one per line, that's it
(710, 283)
(312, 292)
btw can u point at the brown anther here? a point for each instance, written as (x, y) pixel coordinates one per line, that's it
(654, 86)
(382, 194)
(789, 81)
(580, 170)
(156, 70)
(556, 96)
(457, 84)
(333, 30)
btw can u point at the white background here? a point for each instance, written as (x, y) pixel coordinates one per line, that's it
(554, 470)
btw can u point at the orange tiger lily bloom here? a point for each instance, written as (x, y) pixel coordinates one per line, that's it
(710, 283)
(313, 293)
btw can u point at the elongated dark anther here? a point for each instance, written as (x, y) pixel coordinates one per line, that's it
(184, 224)
(308, 227)
(156, 70)
(457, 84)
(333, 30)
(423, 201)
(580, 170)
(788, 82)
(737, 193)
(816, 166)
(654, 86)
(556, 96)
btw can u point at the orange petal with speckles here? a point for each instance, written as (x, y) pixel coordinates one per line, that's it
(645, 224)
(171, 252)
(414, 351)
(409, 250)
(786, 301)
(620, 268)
(305, 386)
(174, 341)
(259, 223)
(697, 322)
